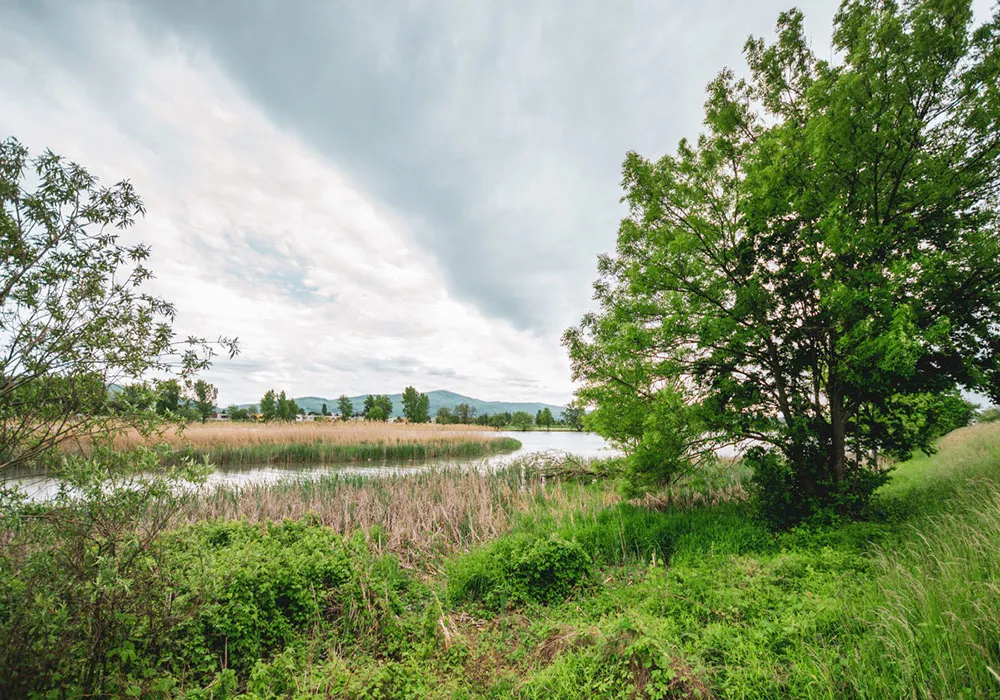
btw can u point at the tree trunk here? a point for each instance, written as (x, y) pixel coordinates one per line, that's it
(838, 424)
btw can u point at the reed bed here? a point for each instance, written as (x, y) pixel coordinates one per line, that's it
(229, 444)
(420, 517)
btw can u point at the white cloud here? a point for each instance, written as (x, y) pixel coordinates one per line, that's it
(254, 235)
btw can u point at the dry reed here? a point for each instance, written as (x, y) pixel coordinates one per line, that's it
(417, 517)
(223, 434)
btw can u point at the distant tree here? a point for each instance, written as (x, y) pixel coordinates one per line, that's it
(544, 418)
(377, 408)
(416, 406)
(236, 413)
(345, 407)
(202, 396)
(464, 413)
(383, 402)
(522, 420)
(989, 415)
(168, 396)
(269, 406)
(483, 419)
(498, 420)
(444, 416)
(323, 411)
(134, 397)
(572, 416)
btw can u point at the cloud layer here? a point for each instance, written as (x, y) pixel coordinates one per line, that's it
(373, 194)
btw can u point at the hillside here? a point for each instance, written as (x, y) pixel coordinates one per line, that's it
(439, 398)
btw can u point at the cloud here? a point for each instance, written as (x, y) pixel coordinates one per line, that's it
(255, 235)
(374, 194)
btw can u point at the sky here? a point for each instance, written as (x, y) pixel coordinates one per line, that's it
(374, 194)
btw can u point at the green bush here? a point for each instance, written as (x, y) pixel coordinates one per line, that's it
(518, 569)
(257, 588)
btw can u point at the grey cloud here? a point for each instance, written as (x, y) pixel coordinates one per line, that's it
(495, 129)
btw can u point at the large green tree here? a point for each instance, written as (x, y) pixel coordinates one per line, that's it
(824, 253)
(416, 406)
(75, 317)
(544, 418)
(464, 413)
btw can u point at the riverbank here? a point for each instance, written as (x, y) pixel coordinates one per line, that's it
(457, 584)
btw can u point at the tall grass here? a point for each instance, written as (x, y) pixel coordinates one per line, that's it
(229, 444)
(418, 517)
(932, 612)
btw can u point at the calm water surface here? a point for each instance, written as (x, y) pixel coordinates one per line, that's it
(535, 445)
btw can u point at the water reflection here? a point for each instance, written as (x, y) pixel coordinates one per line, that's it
(534, 444)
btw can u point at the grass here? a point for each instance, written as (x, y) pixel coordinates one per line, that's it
(231, 444)
(454, 584)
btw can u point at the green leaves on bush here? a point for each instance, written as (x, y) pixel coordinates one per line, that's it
(519, 569)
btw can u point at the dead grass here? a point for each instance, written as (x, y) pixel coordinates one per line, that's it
(222, 434)
(417, 517)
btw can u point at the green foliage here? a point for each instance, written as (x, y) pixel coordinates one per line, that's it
(519, 569)
(345, 407)
(168, 397)
(202, 397)
(81, 588)
(817, 273)
(573, 415)
(416, 406)
(464, 413)
(258, 589)
(269, 406)
(521, 420)
(377, 408)
(544, 417)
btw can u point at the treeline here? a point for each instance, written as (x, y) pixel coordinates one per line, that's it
(276, 406)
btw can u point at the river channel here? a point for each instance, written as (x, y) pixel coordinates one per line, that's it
(534, 445)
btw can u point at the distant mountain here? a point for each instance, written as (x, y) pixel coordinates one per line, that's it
(439, 398)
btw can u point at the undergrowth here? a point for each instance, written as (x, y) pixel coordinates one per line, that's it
(613, 601)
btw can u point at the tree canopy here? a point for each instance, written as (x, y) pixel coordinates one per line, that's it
(823, 259)
(74, 316)
(416, 406)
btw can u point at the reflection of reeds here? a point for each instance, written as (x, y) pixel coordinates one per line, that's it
(289, 443)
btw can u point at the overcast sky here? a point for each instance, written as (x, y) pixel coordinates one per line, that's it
(372, 194)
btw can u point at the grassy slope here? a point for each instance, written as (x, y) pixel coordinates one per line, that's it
(906, 606)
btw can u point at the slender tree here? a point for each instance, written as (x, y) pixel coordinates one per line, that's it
(345, 407)
(202, 396)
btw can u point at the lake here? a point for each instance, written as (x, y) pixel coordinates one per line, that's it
(535, 444)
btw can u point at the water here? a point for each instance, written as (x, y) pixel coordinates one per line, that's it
(535, 444)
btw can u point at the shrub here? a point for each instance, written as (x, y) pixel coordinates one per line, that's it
(83, 598)
(518, 569)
